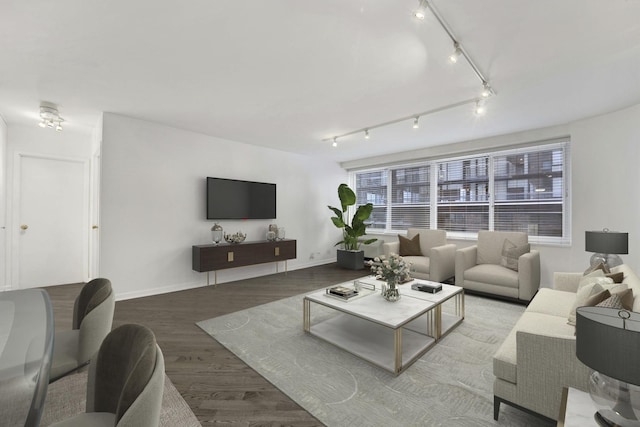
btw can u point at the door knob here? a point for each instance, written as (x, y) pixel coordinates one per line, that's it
(95, 227)
(24, 226)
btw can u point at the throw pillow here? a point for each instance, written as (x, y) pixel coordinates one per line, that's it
(589, 285)
(623, 299)
(616, 277)
(409, 247)
(591, 301)
(601, 266)
(613, 301)
(511, 253)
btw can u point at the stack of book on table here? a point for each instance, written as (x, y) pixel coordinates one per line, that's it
(342, 292)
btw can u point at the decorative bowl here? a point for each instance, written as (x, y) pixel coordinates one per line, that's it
(235, 238)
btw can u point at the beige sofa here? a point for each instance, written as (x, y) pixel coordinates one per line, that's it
(436, 261)
(538, 357)
(483, 268)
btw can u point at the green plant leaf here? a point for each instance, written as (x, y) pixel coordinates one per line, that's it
(347, 196)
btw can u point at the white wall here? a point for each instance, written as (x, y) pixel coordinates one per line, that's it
(152, 206)
(605, 183)
(3, 203)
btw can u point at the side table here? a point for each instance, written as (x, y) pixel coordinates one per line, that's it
(577, 409)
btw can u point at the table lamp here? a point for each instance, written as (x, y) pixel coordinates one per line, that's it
(606, 245)
(608, 341)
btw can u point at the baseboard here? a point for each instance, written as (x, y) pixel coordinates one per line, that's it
(199, 284)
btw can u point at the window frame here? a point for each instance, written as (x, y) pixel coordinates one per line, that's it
(564, 144)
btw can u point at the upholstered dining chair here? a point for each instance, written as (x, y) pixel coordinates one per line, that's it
(125, 382)
(92, 319)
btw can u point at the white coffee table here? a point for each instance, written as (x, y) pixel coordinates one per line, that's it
(391, 335)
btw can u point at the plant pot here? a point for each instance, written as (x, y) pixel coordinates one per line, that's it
(352, 260)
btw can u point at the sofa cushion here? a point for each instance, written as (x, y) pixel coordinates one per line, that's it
(551, 301)
(429, 238)
(409, 247)
(505, 359)
(511, 253)
(490, 244)
(494, 274)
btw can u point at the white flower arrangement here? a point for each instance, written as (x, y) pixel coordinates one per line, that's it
(392, 270)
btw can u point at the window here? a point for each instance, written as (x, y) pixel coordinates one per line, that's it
(509, 190)
(529, 192)
(402, 204)
(463, 195)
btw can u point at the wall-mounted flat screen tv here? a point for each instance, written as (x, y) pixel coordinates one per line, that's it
(236, 199)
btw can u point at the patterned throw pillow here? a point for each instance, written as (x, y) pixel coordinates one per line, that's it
(409, 247)
(511, 253)
(622, 299)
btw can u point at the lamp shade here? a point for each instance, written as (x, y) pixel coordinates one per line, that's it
(606, 242)
(608, 341)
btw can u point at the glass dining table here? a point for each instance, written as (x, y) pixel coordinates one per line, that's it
(26, 346)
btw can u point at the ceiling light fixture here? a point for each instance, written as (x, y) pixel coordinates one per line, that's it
(50, 117)
(335, 141)
(421, 11)
(366, 134)
(416, 125)
(453, 58)
(486, 90)
(459, 52)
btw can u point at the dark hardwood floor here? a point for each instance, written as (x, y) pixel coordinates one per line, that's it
(219, 387)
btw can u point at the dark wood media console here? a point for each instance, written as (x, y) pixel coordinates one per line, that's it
(206, 258)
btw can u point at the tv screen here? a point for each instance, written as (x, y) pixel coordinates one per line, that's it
(236, 199)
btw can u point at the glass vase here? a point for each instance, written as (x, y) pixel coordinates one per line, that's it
(390, 291)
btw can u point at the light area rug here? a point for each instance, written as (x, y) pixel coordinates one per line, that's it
(68, 397)
(451, 385)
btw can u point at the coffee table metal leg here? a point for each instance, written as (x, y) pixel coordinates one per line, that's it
(306, 314)
(398, 349)
(438, 321)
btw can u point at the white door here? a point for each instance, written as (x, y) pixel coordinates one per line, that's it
(50, 221)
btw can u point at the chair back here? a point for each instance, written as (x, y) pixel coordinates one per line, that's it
(91, 296)
(125, 364)
(429, 238)
(490, 244)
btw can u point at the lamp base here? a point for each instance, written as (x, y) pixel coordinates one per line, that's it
(608, 418)
(614, 400)
(609, 260)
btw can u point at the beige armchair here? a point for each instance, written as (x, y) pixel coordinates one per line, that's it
(431, 259)
(500, 264)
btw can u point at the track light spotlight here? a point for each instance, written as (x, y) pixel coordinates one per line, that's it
(335, 141)
(366, 134)
(49, 117)
(421, 11)
(416, 125)
(480, 108)
(486, 90)
(453, 58)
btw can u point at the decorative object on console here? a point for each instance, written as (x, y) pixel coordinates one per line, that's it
(217, 233)
(280, 233)
(272, 234)
(607, 246)
(351, 256)
(608, 341)
(392, 270)
(235, 238)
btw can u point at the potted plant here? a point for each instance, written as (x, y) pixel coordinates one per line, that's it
(351, 256)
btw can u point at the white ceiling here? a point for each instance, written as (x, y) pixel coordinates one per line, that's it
(288, 73)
